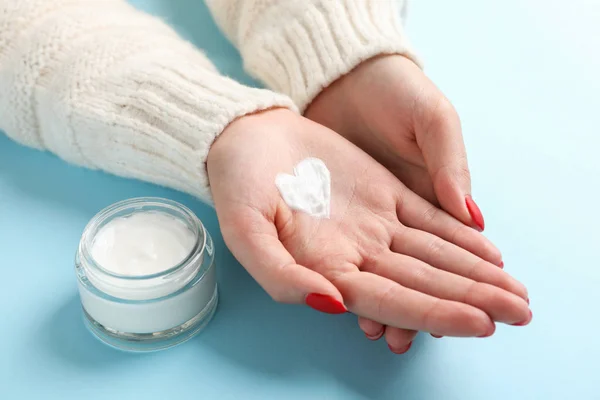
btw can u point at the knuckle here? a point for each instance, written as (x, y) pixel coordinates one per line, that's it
(385, 299)
(458, 171)
(469, 296)
(461, 171)
(430, 215)
(423, 275)
(477, 270)
(438, 115)
(429, 315)
(333, 267)
(435, 248)
(460, 231)
(282, 291)
(398, 242)
(443, 112)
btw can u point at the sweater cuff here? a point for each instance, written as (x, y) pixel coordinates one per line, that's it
(157, 122)
(314, 46)
(174, 121)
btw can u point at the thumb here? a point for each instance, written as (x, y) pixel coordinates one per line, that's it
(441, 142)
(254, 241)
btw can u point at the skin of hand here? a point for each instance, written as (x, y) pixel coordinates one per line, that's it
(391, 110)
(380, 255)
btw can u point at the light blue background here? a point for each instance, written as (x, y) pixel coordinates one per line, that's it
(524, 77)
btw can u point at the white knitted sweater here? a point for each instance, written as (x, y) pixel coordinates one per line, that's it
(105, 86)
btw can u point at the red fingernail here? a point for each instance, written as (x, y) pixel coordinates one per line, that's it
(325, 303)
(436, 336)
(475, 213)
(527, 299)
(376, 337)
(400, 351)
(528, 320)
(501, 265)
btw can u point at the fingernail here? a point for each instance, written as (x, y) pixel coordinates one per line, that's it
(401, 350)
(325, 303)
(375, 337)
(527, 321)
(527, 299)
(475, 213)
(501, 265)
(436, 336)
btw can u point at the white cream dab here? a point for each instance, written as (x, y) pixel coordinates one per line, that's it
(309, 189)
(142, 244)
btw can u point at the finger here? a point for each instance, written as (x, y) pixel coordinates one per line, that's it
(449, 257)
(415, 212)
(411, 273)
(399, 340)
(439, 136)
(391, 304)
(253, 241)
(373, 330)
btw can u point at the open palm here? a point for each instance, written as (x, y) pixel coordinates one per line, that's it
(391, 110)
(378, 255)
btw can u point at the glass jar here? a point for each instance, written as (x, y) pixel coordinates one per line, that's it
(147, 312)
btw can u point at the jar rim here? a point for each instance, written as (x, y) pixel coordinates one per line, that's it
(107, 212)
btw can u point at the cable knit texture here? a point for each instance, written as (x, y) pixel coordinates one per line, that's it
(299, 47)
(107, 87)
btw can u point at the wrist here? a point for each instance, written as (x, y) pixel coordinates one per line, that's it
(256, 123)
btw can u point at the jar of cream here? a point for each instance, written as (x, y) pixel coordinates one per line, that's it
(146, 274)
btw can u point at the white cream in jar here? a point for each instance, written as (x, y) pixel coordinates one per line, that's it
(146, 274)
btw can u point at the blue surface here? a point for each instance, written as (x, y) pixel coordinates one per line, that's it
(524, 77)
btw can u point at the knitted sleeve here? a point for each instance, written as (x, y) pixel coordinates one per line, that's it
(299, 47)
(107, 87)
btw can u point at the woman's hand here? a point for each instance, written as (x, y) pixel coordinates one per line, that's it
(381, 254)
(390, 109)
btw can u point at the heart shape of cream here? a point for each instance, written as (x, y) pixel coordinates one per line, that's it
(309, 189)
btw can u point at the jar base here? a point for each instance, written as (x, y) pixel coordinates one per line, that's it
(147, 342)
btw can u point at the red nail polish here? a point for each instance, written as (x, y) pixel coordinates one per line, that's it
(475, 213)
(527, 300)
(400, 351)
(325, 303)
(436, 336)
(376, 337)
(501, 265)
(528, 320)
